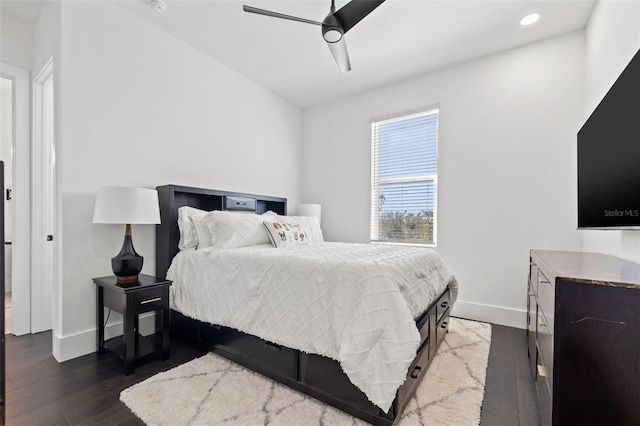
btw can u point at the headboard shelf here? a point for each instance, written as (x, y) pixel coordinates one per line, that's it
(172, 197)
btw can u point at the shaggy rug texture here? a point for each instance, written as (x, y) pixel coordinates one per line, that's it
(213, 391)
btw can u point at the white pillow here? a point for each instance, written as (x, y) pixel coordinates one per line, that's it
(283, 234)
(233, 229)
(188, 232)
(310, 224)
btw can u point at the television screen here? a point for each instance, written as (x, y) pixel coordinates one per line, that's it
(609, 157)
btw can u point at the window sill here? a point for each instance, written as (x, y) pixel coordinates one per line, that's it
(397, 243)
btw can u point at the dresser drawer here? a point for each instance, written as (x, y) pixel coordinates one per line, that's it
(546, 298)
(533, 276)
(545, 346)
(544, 400)
(532, 316)
(150, 300)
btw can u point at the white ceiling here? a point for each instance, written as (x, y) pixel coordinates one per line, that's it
(398, 40)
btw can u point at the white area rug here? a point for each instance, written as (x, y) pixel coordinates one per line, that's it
(213, 391)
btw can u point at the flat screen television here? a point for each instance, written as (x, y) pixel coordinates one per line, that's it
(609, 157)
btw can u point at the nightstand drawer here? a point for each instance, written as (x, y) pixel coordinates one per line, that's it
(150, 300)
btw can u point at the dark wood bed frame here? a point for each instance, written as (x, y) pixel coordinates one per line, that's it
(315, 375)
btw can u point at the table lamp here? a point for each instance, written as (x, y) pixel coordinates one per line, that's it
(124, 205)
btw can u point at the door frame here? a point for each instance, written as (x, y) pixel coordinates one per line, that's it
(43, 217)
(21, 196)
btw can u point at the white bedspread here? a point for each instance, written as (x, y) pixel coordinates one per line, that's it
(355, 303)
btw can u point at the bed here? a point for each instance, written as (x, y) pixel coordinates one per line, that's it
(313, 370)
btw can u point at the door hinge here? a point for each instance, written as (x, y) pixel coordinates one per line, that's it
(8, 191)
(49, 237)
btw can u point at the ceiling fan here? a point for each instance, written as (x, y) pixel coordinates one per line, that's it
(334, 26)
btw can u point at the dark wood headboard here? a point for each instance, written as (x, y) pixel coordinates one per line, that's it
(172, 197)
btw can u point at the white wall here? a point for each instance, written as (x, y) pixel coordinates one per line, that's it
(15, 49)
(15, 42)
(141, 108)
(46, 35)
(507, 170)
(612, 38)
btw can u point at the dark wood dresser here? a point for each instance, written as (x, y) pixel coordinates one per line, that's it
(583, 326)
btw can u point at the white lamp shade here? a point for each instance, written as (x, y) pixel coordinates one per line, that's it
(309, 210)
(117, 204)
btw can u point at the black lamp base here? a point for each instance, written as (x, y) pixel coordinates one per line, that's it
(127, 264)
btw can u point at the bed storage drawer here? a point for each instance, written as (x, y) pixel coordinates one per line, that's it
(414, 376)
(423, 327)
(264, 355)
(325, 375)
(442, 305)
(442, 328)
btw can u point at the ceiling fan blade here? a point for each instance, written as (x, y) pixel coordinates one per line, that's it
(251, 9)
(340, 54)
(354, 11)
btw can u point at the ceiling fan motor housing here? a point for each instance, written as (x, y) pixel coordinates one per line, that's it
(332, 29)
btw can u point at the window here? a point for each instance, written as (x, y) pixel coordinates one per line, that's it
(404, 179)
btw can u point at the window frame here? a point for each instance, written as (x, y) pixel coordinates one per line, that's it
(376, 182)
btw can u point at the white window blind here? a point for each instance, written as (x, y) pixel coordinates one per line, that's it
(404, 179)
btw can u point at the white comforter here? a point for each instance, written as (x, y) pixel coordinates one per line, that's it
(355, 303)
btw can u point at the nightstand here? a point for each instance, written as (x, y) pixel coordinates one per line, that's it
(132, 299)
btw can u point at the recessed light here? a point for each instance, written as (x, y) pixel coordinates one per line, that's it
(530, 19)
(158, 5)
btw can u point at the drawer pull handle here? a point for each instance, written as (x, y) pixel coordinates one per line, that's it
(444, 304)
(542, 371)
(157, 299)
(531, 293)
(541, 322)
(544, 281)
(444, 325)
(416, 372)
(532, 264)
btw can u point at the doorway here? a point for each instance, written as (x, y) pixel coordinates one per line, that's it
(6, 155)
(19, 205)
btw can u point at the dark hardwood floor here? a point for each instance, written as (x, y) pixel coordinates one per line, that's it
(86, 390)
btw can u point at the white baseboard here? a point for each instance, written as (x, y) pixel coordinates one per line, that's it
(494, 314)
(75, 345)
